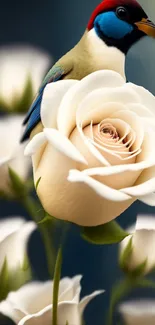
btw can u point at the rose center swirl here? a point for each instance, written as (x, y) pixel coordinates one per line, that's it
(108, 130)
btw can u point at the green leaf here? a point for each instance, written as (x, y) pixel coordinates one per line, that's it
(109, 233)
(17, 184)
(37, 183)
(125, 255)
(57, 275)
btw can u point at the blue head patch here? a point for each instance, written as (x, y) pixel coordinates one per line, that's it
(109, 25)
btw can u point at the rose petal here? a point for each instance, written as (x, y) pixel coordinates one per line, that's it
(85, 301)
(144, 185)
(67, 110)
(148, 199)
(147, 99)
(78, 202)
(8, 310)
(140, 110)
(37, 141)
(62, 144)
(140, 312)
(52, 97)
(102, 103)
(13, 247)
(71, 290)
(135, 123)
(9, 226)
(100, 189)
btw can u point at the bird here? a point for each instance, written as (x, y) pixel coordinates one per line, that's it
(114, 26)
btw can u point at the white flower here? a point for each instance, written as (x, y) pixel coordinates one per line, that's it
(18, 64)
(11, 152)
(101, 132)
(32, 303)
(141, 244)
(140, 312)
(14, 236)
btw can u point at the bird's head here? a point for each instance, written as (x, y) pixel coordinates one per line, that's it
(120, 23)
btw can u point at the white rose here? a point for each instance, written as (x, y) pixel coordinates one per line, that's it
(142, 245)
(11, 152)
(101, 132)
(14, 236)
(140, 312)
(18, 64)
(32, 303)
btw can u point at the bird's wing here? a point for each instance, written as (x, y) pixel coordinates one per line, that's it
(33, 116)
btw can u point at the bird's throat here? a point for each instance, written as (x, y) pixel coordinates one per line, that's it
(104, 56)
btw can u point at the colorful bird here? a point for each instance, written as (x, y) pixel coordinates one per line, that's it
(115, 25)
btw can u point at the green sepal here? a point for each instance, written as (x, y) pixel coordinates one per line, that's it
(22, 105)
(46, 219)
(19, 104)
(18, 186)
(26, 263)
(4, 276)
(37, 183)
(109, 233)
(139, 270)
(125, 255)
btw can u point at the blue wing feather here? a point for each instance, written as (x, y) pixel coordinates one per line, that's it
(33, 115)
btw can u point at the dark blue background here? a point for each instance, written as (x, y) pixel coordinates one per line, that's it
(56, 26)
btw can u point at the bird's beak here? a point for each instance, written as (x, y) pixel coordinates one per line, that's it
(146, 26)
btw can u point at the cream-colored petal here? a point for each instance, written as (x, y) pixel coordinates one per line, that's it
(12, 151)
(147, 98)
(138, 312)
(148, 199)
(144, 185)
(37, 141)
(13, 247)
(140, 110)
(70, 102)
(85, 301)
(143, 243)
(135, 123)
(52, 97)
(8, 309)
(70, 289)
(101, 103)
(140, 190)
(87, 148)
(9, 226)
(66, 312)
(17, 65)
(27, 298)
(77, 202)
(62, 144)
(100, 189)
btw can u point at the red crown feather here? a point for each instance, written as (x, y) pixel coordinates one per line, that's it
(108, 5)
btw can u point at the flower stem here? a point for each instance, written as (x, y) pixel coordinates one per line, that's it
(36, 213)
(118, 292)
(57, 275)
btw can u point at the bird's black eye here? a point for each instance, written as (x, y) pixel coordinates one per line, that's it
(122, 13)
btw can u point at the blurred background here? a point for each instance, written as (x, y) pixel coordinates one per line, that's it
(55, 27)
